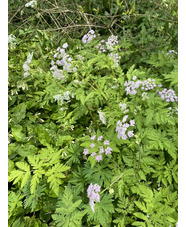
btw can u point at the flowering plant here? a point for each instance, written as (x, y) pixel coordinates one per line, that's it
(90, 143)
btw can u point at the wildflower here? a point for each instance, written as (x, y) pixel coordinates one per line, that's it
(102, 117)
(106, 142)
(99, 158)
(168, 95)
(32, 4)
(125, 118)
(148, 84)
(93, 137)
(123, 106)
(108, 150)
(97, 188)
(65, 45)
(101, 150)
(132, 122)
(92, 145)
(172, 51)
(62, 59)
(101, 47)
(115, 57)
(121, 128)
(81, 58)
(11, 38)
(144, 96)
(64, 97)
(100, 138)
(25, 66)
(77, 82)
(74, 69)
(58, 73)
(85, 152)
(131, 86)
(124, 137)
(12, 41)
(92, 194)
(87, 38)
(111, 42)
(130, 134)
(93, 154)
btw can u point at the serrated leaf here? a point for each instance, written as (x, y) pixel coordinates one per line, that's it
(141, 216)
(139, 223)
(55, 175)
(25, 179)
(35, 179)
(23, 166)
(141, 206)
(61, 140)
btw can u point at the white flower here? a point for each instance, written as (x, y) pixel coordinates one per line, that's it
(29, 57)
(87, 38)
(92, 193)
(26, 67)
(77, 82)
(111, 42)
(74, 69)
(59, 74)
(102, 117)
(32, 4)
(144, 96)
(65, 45)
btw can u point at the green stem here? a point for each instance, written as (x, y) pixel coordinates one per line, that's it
(113, 182)
(94, 120)
(59, 84)
(87, 82)
(139, 158)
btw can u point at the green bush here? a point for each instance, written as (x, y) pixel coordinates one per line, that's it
(57, 114)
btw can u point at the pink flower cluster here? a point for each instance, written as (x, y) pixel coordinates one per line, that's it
(87, 38)
(100, 149)
(62, 60)
(101, 47)
(131, 86)
(168, 95)
(92, 194)
(146, 85)
(122, 127)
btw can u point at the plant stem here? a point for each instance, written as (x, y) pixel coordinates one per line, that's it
(87, 82)
(94, 120)
(59, 84)
(139, 158)
(113, 182)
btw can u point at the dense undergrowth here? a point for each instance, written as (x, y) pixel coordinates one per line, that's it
(93, 126)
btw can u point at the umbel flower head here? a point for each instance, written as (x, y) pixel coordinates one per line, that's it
(92, 194)
(98, 152)
(87, 38)
(31, 4)
(25, 66)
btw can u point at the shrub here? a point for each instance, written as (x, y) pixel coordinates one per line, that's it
(79, 118)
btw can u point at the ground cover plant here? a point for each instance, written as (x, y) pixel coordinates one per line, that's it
(92, 132)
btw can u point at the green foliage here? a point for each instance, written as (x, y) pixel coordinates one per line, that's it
(49, 171)
(103, 211)
(68, 212)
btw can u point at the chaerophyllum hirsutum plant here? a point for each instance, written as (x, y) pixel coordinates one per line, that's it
(92, 145)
